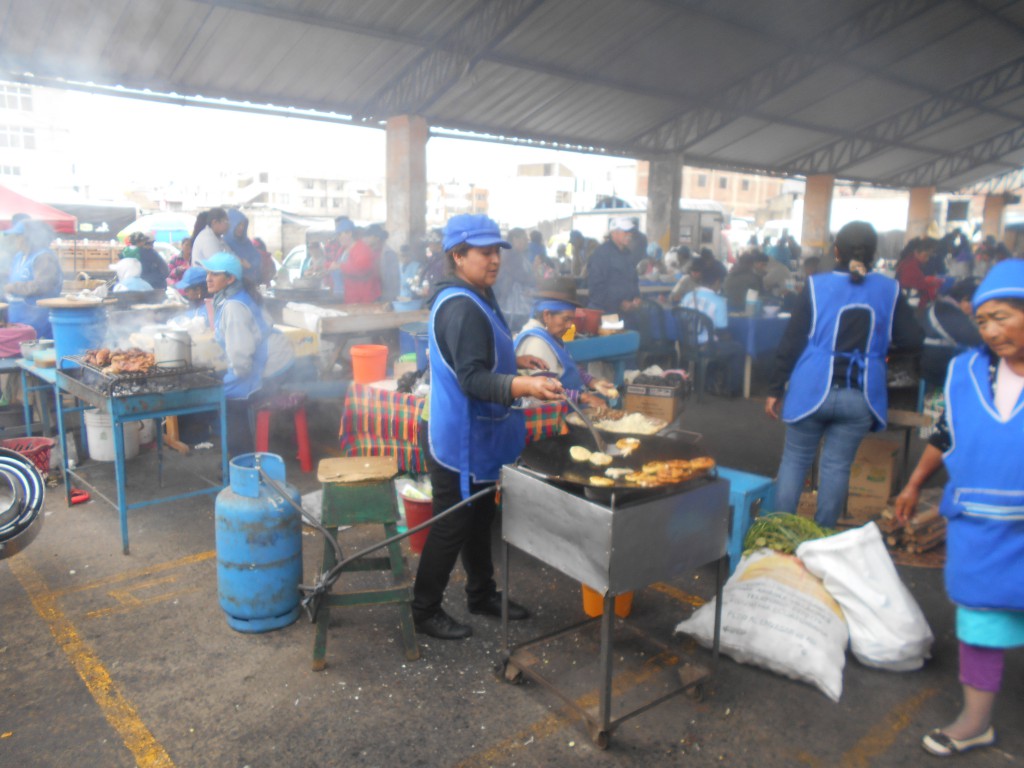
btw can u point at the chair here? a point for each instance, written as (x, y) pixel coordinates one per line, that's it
(295, 403)
(656, 343)
(691, 325)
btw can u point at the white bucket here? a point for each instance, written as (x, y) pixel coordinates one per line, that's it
(100, 432)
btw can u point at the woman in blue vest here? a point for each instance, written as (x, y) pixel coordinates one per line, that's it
(255, 352)
(470, 427)
(554, 310)
(833, 357)
(34, 274)
(980, 441)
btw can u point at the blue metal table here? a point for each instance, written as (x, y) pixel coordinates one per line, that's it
(49, 378)
(192, 392)
(758, 335)
(618, 349)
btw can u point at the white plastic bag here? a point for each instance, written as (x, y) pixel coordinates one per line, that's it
(887, 628)
(778, 616)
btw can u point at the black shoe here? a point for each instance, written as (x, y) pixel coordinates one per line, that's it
(443, 627)
(491, 606)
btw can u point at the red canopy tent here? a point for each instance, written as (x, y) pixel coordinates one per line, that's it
(11, 203)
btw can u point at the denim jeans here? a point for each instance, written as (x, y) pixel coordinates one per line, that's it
(843, 420)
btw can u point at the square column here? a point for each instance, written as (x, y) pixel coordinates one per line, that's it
(920, 214)
(992, 216)
(406, 183)
(817, 239)
(664, 186)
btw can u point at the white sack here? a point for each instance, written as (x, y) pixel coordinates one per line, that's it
(778, 616)
(887, 628)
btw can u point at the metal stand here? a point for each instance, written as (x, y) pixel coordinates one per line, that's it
(615, 549)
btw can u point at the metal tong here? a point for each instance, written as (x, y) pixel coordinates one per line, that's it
(602, 446)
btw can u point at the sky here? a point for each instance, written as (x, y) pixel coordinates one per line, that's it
(165, 140)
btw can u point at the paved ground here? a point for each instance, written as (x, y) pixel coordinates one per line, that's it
(110, 660)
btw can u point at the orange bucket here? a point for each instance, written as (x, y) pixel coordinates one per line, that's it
(369, 363)
(593, 603)
(417, 512)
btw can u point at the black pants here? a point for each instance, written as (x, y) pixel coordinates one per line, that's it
(240, 437)
(466, 532)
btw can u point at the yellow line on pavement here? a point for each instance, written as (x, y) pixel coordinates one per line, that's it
(880, 737)
(678, 594)
(115, 707)
(129, 575)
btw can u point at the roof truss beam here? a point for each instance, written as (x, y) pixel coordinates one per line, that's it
(897, 128)
(986, 152)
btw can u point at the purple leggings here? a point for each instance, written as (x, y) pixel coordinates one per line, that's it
(981, 668)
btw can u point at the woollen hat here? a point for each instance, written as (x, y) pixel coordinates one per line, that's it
(223, 262)
(1004, 281)
(472, 229)
(192, 277)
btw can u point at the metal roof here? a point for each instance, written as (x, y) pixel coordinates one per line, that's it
(894, 92)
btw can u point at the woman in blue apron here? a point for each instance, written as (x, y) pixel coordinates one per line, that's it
(255, 351)
(980, 441)
(832, 355)
(470, 427)
(35, 274)
(554, 310)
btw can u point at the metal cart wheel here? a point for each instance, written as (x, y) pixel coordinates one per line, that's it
(599, 736)
(511, 673)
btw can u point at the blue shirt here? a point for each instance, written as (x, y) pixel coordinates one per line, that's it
(705, 300)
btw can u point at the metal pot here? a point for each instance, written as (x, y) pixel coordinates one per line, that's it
(173, 349)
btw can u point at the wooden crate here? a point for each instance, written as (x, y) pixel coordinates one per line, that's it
(87, 256)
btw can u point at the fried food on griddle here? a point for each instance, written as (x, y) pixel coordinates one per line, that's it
(605, 482)
(120, 361)
(579, 453)
(599, 459)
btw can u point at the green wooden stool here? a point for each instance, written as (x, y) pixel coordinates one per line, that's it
(359, 490)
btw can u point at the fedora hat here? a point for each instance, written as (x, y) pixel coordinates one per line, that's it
(562, 289)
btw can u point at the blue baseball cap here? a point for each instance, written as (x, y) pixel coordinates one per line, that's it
(1004, 281)
(472, 229)
(224, 262)
(343, 224)
(193, 276)
(17, 228)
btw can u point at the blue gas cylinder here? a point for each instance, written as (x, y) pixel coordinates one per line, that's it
(259, 546)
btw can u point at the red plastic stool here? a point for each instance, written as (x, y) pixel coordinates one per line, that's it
(285, 401)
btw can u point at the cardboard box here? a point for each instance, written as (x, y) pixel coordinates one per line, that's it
(306, 343)
(658, 402)
(873, 473)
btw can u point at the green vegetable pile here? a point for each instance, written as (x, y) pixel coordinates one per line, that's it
(783, 532)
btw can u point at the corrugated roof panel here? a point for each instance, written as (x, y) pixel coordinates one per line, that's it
(935, 23)
(973, 49)
(884, 165)
(731, 133)
(823, 81)
(970, 128)
(771, 145)
(862, 103)
(783, 17)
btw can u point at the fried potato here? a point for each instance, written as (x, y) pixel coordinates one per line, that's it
(617, 472)
(601, 481)
(600, 459)
(579, 453)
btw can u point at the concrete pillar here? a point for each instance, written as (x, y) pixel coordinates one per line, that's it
(992, 216)
(921, 212)
(406, 184)
(816, 239)
(664, 185)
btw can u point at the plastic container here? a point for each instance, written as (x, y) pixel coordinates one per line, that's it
(77, 329)
(417, 512)
(35, 449)
(99, 430)
(369, 363)
(413, 337)
(593, 603)
(588, 321)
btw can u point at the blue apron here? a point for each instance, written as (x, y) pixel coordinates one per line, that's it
(831, 295)
(23, 309)
(240, 387)
(984, 498)
(570, 378)
(470, 436)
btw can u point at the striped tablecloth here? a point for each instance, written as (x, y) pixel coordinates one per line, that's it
(377, 423)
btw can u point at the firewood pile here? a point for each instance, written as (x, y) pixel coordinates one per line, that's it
(924, 531)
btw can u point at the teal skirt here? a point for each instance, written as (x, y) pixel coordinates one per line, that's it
(990, 629)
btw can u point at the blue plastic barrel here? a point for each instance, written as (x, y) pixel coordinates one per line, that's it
(76, 329)
(259, 546)
(413, 338)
